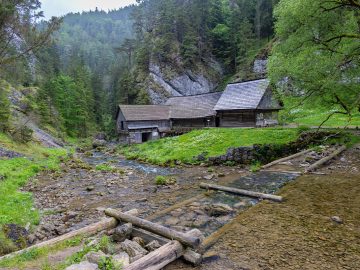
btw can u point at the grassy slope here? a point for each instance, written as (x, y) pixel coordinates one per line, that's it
(15, 206)
(310, 115)
(212, 141)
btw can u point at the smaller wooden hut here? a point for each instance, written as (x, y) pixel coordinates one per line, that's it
(141, 123)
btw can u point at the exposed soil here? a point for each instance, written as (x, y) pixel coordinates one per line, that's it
(300, 232)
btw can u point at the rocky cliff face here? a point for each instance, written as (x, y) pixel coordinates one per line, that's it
(165, 81)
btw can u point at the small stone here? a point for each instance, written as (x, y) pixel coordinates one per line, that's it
(122, 232)
(83, 266)
(240, 205)
(139, 240)
(153, 245)
(95, 257)
(122, 258)
(218, 209)
(172, 221)
(133, 249)
(209, 177)
(337, 219)
(90, 188)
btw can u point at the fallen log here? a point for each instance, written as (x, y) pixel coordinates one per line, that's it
(159, 258)
(106, 224)
(286, 158)
(322, 161)
(184, 239)
(242, 192)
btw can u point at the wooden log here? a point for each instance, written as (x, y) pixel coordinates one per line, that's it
(186, 240)
(243, 192)
(322, 161)
(192, 257)
(286, 158)
(106, 224)
(159, 258)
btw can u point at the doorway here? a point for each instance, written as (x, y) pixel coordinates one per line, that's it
(146, 136)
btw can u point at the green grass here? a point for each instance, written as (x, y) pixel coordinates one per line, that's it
(311, 115)
(212, 142)
(15, 206)
(35, 254)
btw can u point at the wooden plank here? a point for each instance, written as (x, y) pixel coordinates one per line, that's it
(322, 161)
(159, 258)
(106, 224)
(243, 192)
(155, 228)
(286, 158)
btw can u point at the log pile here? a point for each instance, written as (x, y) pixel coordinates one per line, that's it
(174, 244)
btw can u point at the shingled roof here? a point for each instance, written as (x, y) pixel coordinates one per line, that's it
(145, 112)
(243, 96)
(191, 107)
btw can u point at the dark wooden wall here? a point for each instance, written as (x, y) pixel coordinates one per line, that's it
(197, 123)
(237, 118)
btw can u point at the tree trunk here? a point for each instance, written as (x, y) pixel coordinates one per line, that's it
(159, 258)
(243, 192)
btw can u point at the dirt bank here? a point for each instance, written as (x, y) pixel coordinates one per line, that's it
(298, 233)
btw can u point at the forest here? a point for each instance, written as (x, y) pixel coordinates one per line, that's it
(84, 65)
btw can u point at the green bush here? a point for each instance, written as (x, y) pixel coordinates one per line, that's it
(164, 181)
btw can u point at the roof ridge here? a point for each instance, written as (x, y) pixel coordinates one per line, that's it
(248, 81)
(196, 95)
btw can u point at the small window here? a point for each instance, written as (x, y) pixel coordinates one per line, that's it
(122, 125)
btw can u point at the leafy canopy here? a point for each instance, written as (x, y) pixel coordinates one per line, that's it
(318, 50)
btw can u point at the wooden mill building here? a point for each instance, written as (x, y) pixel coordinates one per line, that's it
(247, 104)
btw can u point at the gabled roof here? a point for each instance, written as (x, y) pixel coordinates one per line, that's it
(145, 112)
(243, 96)
(191, 107)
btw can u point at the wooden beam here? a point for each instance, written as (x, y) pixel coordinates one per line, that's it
(159, 258)
(322, 161)
(243, 192)
(186, 240)
(106, 224)
(286, 159)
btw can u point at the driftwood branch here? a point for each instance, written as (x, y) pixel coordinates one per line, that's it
(243, 192)
(285, 159)
(322, 161)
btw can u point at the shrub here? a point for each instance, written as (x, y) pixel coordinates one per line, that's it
(165, 181)
(160, 180)
(255, 167)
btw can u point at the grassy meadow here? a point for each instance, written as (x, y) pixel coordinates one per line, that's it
(211, 142)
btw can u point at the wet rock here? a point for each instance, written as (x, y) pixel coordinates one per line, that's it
(172, 221)
(122, 259)
(218, 209)
(240, 205)
(122, 232)
(209, 177)
(95, 257)
(153, 245)
(139, 240)
(133, 249)
(99, 143)
(201, 221)
(83, 266)
(337, 219)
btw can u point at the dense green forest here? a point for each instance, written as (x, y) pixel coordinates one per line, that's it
(84, 65)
